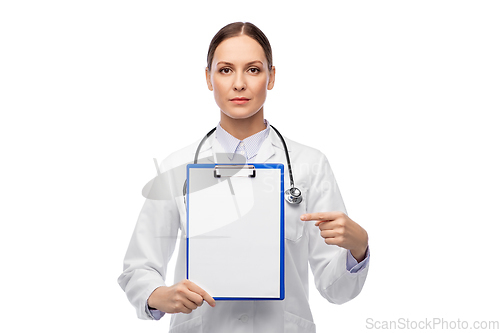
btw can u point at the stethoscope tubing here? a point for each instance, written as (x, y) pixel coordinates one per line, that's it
(290, 196)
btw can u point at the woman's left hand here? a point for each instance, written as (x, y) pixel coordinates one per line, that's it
(338, 229)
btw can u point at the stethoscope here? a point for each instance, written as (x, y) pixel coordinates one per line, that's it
(292, 195)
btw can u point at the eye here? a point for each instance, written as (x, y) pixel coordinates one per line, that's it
(254, 70)
(224, 70)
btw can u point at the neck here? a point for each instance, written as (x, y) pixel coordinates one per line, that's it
(243, 128)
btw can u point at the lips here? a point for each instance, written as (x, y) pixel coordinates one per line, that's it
(239, 100)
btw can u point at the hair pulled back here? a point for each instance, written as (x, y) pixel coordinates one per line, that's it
(238, 29)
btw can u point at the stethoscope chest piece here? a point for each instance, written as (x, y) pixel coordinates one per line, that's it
(293, 196)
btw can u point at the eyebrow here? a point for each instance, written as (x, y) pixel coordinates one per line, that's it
(228, 63)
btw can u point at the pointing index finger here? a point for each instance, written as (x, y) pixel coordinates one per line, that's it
(314, 217)
(320, 217)
(310, 217)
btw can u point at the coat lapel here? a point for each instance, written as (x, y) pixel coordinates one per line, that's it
(272, 149)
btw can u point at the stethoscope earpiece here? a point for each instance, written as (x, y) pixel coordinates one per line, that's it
(293, 196)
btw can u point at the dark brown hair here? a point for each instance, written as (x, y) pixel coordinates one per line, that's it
(238, 29)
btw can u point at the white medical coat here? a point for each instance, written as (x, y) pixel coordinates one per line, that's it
(154, 239)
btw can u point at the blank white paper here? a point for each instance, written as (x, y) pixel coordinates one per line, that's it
(235, 240)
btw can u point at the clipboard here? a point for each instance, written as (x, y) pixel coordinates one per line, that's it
(235, 246)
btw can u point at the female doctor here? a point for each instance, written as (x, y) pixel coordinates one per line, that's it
(239, 72)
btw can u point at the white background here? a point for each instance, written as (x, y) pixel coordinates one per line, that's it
(402, 97)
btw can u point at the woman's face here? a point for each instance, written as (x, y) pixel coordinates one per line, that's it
(239, 70)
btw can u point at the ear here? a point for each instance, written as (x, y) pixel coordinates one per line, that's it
(209, 81)
(272, 75)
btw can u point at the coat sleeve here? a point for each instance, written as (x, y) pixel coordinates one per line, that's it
(328, 262)
(149, 251)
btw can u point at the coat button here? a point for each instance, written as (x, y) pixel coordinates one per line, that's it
(244, 318)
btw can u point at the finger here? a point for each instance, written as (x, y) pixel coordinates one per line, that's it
(326, 225)
(329, 233)
(333, 241)
(321, 216)
(193, 287)
(339, 222)
(314, 216)
(185, 309)
(319, 222)
(195, 298)
(189, 304)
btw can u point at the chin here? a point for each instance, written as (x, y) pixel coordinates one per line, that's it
(240, 114)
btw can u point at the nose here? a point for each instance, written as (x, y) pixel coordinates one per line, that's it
(239, 82)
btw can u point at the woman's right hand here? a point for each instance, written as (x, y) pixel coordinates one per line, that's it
(184, 297)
